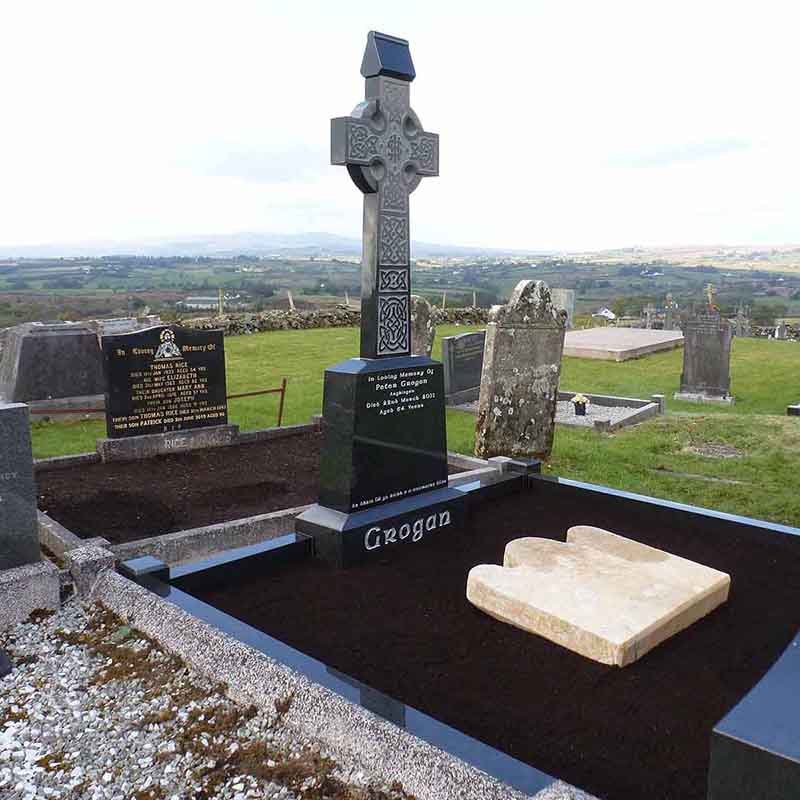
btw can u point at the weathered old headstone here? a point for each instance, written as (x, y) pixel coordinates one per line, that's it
(462, 357)
(50, 361)
(606, 597)
(383, 468)
(423, 329)
(743, 321)
(521, 369)
(163, 384)
(565, 298)
(19, 530)
(780, 330)
(706, 375)
(648, 316)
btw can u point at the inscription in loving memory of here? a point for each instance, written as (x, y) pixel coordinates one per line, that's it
(163, 380)
(399, 391)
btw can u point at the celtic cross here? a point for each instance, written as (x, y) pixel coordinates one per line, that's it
(387, 153)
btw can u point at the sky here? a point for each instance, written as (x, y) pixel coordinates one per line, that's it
(564, 125)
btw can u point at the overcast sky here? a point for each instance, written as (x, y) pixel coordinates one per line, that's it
(564, 125)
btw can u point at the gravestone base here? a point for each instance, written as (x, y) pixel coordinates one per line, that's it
(345, 539)
(28, 588)
(68, 409)
(133, 448)
(700, 397)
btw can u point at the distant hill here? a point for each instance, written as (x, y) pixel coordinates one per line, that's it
(234, 244)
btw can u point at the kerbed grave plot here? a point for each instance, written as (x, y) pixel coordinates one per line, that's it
(125, 501)
(402, 626)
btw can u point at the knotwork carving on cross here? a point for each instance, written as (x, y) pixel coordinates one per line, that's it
(387, 153)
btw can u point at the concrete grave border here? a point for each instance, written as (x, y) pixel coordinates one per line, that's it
(180, 547)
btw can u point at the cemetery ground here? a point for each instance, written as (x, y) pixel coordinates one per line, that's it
(737, 459)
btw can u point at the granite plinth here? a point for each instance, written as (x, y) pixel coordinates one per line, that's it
(132, 448)
(385, 435)
(44, 361)
(346, 539)
(19, 526)
(606, 597)
(703, 397)
(619, 344)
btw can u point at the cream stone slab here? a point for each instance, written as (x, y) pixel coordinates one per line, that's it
(619, 344)
(606, 597)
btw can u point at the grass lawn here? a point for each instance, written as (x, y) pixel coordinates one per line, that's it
(653, 458)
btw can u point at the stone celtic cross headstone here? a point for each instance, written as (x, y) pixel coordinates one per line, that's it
(19, 537)
(165, 382)
(706, 372)
(521, 370)
(383, 468)
(462, 357)
(387, 153)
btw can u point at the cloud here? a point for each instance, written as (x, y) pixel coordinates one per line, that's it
(265, 165)
(683, 153)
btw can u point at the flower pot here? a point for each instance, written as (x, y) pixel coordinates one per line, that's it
(580, 409)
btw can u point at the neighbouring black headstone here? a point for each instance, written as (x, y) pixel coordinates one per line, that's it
(384, 474)
(462, 357)
(164, 379)
(706, 372)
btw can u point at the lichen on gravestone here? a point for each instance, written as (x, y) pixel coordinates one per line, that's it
(521, 371)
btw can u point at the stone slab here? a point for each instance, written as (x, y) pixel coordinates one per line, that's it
(19, 527)
(702, 397)
(43, 361)
(133, 448)
(28, 588)
(601, 595)
(619, 344)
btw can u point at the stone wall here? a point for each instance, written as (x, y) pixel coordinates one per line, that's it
(336, 317)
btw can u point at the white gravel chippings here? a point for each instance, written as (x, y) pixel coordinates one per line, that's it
(95, 710)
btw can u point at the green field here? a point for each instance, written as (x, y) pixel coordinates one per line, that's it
(659, 457)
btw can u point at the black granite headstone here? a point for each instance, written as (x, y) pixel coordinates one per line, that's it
(462, 357)
(706, 356)
(164, 379)
(383, 478)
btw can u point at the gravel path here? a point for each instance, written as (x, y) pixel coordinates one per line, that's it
(565, 413)
(95, 710)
